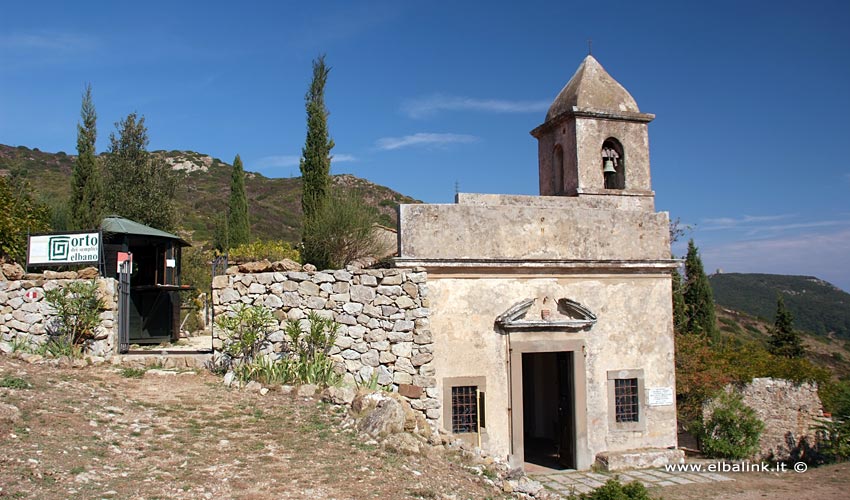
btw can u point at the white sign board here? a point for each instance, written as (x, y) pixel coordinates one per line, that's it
(660, 396)
(76, 248)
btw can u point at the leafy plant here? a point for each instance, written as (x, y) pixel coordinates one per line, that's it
(615, 490)
(308, 350)
(11, 382)
(77, 319)
(60, 345)
(834, 439)
(19, 214)
(247, 331)
(130, 372)
(732, 430)
(341, 231)
(21, 344)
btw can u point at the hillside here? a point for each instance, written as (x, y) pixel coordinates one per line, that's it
(817, 306)
(826, 351)
(274, 204)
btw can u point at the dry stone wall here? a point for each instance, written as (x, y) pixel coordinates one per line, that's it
(26, 318)
(384, 318)
(790, 413)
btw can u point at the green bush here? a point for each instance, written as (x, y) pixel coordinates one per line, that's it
(834, 439)
(11, 382)
(341, 231)
(19, 214)
(77, 319)
(307, 353)
(258, 250)
(247, 332)
(614, 490)
(304, 360)
(732, 429)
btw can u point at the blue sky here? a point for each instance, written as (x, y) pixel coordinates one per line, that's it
(751, 98)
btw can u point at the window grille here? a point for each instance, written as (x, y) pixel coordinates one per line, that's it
(626, 400)
(464, 409)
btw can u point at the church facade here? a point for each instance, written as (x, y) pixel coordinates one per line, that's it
(551, 315)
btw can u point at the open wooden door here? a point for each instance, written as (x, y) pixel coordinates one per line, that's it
(566, 410)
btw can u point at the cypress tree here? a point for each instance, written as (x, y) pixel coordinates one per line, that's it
(680, 314)
(86, 183)
(238, 227)
(315, 161)
(785, 341)
(699, 300)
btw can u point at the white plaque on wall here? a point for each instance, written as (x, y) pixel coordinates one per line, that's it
(660, 396)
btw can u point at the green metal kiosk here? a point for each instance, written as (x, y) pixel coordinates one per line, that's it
(151, 285)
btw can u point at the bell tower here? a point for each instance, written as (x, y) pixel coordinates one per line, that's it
(594, 142)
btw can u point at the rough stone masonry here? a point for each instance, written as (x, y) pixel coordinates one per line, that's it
(25, 316)
(383, 313)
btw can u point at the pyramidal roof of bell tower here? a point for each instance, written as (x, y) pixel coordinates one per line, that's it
(592, 88)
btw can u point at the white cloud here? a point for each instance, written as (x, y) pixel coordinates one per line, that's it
(278, 161)
(713, 224)
(344, 158)
(427, 106)
(423, 139)
(293, 161)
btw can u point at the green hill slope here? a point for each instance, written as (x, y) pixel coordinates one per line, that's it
(817, 306)
(274, 204)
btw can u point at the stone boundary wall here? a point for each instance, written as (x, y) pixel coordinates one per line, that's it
(790, 412)
(383, 313)
(25, 316)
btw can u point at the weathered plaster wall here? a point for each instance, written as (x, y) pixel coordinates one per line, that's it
(634, 331)
(26, 317)
(790, 413)
(618, 201)
(384, 318)
(517, 232)
(633, 136)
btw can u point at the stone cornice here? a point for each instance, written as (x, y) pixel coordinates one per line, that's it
(593, 113)
(512, 266)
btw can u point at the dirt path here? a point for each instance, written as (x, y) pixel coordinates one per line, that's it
(95, 433)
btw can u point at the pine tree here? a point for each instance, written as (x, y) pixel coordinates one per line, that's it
(238, 227)
(86, 183)
(315, 159)
(141, 186)
(699, 300)
(785, 341)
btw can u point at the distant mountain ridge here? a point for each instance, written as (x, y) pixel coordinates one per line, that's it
(274, 204)
(818, 306)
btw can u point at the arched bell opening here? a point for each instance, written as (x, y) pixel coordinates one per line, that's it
(558, 171)
(613, 164)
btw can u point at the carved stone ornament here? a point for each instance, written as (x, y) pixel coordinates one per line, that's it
(570, 315)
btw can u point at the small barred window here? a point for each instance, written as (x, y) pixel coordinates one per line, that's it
(465, 409)
(626, 402)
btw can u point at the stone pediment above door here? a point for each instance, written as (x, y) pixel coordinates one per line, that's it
(546, 314)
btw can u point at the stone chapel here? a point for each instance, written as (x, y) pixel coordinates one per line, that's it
(551, 314)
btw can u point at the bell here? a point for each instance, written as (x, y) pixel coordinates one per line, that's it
(609, 167)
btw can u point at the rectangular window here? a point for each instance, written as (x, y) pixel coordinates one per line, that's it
(465, 409)
(626, 401)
